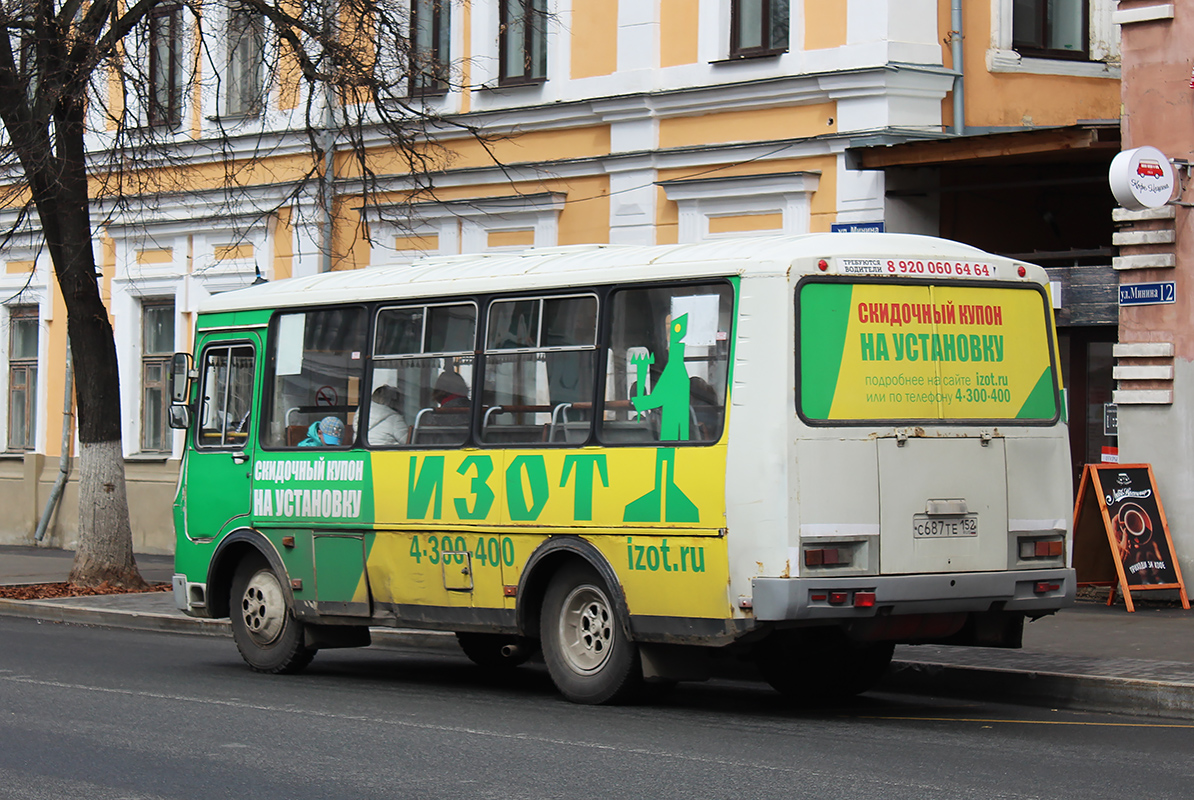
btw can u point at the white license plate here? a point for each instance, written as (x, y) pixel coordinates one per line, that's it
(939, 527)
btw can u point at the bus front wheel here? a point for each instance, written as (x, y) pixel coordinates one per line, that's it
(266, 632)
(589, 655)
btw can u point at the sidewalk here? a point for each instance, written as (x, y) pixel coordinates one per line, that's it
(1087, 657)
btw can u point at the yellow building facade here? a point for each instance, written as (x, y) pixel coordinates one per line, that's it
(609, 121)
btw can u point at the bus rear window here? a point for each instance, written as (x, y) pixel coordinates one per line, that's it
(896, 352)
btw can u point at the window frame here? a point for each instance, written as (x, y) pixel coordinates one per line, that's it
(246, 34)
(428, 74)
(161, 361)
(606, 339)
(951, 422)
(1046, 23)
(27, 367)
(371, 364)
(165, 111)
(531, 40)
(269, 377)
(599, 299)
(771, 12)
(226, 444)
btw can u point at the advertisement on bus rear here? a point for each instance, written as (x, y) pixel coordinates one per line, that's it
(878, 351)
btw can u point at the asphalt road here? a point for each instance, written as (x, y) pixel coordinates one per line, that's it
(105, 714)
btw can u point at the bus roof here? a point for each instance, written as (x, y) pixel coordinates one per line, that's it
(580, 265)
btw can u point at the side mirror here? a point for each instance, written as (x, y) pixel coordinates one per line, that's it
(179, 417)
(180, 383)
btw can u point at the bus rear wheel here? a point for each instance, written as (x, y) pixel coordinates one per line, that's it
(589, 655)
(814, 666)
(266, 632)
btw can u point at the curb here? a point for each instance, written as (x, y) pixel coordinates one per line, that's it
(1052, 690)
(129, 620)
(1049, 689)
(178, 623)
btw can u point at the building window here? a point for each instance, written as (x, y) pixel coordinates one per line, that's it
(246, 45)
(523, 42)
(23, 323)
(157, 346)
(758, 27)
(165, 66)
(430, 35)
(1051, 28)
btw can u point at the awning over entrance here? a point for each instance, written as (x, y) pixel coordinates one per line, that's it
(1038, 194)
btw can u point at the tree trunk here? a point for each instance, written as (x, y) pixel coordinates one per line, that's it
(105, 549)
(105, 553)
(60, 192)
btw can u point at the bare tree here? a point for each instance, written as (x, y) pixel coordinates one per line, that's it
(93, 101)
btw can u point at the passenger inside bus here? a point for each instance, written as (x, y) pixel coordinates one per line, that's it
(387, 426)
(450, 396)
(326, 432)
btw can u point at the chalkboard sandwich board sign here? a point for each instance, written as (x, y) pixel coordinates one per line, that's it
(1121, 536)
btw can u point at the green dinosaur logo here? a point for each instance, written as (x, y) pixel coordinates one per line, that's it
(666, 502)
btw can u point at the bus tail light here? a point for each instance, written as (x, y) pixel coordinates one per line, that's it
(1049, 549)
(844, 597)
(827, 557)
(1033, 548)
(1044, 587)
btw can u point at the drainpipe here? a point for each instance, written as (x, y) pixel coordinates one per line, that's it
(64, 459)
(955, 47)
(328, 185)
(328, 180)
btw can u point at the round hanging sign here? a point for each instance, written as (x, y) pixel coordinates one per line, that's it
(1141, 178)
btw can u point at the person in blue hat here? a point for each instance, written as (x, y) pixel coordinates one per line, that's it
(325, 433)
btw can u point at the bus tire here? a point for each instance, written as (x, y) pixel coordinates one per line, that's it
(264, 627)
(587, 651)
(812, 666)
(495, 651)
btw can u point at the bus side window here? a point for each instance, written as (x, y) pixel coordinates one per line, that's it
(421, 376)
(315, 371)
(540, 370)
(225, 396)
(667, 365)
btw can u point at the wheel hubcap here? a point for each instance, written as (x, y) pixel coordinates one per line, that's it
(263, 607)
(586, 629)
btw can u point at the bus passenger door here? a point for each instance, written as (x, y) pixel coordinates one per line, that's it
(219, 464)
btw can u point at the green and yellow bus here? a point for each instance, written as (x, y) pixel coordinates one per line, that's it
(795, 450)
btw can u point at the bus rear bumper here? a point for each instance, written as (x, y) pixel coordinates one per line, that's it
(1037, 591)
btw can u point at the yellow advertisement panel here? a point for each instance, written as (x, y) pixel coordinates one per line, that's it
(658, 487)
(661, 575)
(880, 351)
(456, 528)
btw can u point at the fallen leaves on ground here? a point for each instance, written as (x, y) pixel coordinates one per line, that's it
(50, 591)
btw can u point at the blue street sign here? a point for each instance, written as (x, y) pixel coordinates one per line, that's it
(1147, 294)
(856, 227)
